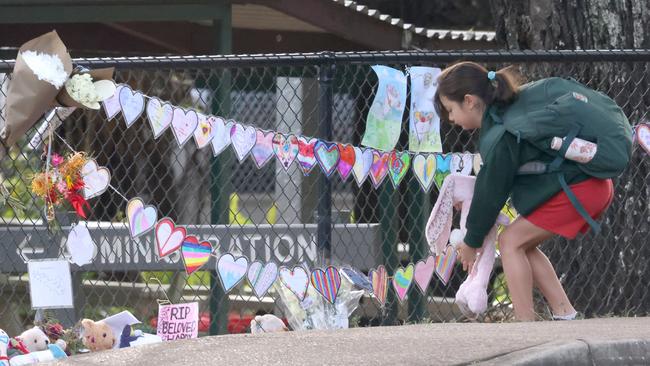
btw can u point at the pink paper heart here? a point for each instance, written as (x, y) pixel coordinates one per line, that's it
(183, 125)
(169, 238)
(424, 272)
(346, 161)
(379, 279)
(296, 280)
(306, 156)
(379, 167)
(643, 136)
(112, 105)
(262, 152)
(286, 149)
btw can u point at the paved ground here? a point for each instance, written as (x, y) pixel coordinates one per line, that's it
(428, 344)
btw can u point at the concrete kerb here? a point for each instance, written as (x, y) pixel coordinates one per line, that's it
(577, 353)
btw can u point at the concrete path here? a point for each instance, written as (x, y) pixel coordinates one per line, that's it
(592, 341)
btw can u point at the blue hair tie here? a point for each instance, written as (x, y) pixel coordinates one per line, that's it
(492, 75)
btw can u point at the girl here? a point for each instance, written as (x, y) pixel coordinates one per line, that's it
(466, 92)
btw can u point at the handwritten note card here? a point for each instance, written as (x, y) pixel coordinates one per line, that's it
(178, 321)
(50, 284)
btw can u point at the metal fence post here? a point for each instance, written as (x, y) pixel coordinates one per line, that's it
(324, 219)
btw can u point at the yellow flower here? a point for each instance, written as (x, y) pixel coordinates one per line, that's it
(73, 165)
(41, 185)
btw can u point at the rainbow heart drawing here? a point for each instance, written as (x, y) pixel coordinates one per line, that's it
(362, 164)
(195, 254)
(296, 280)
(424, 272)
(346, 162)
(141, 218)
(326, 282)
(398, 166)
(424, 168)
(169, 238)
(402, 280)
(327, 156)
(379, 279)
(445, 263)
(306, 157)
(286, 149)
(262, 152)
(379, 168)
(261, 277)
(231, 270)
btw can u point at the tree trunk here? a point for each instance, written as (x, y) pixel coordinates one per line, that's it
(605, 273)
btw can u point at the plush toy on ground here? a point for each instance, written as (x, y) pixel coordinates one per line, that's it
(34, 339)
(457, 192)
(52, 353)
(4, 344)
(267, 323)
(97, 336)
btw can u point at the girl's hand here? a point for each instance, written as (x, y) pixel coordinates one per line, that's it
(467, 256)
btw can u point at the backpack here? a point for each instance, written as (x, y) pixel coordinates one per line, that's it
(557, 107)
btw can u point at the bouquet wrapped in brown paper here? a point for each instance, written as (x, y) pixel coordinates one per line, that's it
(43, 78)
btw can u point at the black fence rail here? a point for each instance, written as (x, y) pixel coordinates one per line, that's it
(280, 215)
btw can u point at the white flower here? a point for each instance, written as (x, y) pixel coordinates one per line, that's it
(46, 67)
(80, 87)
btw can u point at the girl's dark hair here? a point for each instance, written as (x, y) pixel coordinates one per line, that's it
(471, 78)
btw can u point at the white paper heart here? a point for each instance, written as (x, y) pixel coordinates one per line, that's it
(462, 164)
(112, 104)
(231, 271)
(242, 140)
(80, 245)
(478, 163)
(643, 136)
(296, 280)
(362, 164)
(132, 104)
(204, 132)
(424, 168)
(159, 115)
(261, 277)
(169, 237)
(96, 179)
(141, 218)
(221, 138)
(183, 124)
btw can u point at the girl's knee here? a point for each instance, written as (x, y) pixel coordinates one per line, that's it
(508, 242)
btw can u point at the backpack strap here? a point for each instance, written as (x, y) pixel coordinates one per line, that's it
(554, 166)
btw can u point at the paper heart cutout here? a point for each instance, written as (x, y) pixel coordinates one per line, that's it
(379, 167)
(424, 168)
(402, 280)
(159, 115)
(221, 136)
(80, 245)
(326, 282)
(141, 218)
(398, 166)
(261, 277)
(242, 139)
(379, 279)
(357, 278)
(443, 168)
(286, 149)
(231, 271)
(306, 156)
(262, 152)
(195, 254)
(204, 131)
(643, 136)
(184, 123)
(112, 105)
(462, 164)
(96, 179)
(346, 160)
(296, 280)
(327, 156)
(478, 163)
(169, 237)
(424, 272)
(445, 263)
(132, 104)
(362, 164)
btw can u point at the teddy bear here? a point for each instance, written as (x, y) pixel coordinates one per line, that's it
(267, 323)
(97, 336)
(34, 339)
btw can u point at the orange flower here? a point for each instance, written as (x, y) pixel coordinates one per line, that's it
(73, 165)
(41, 184)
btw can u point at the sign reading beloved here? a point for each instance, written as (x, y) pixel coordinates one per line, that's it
(178, 321)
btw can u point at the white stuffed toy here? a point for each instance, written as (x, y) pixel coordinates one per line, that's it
(4, 343)
(457, 191)
(267, 323)
(34, 339)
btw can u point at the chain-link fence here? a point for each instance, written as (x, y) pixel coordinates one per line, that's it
(282, 216)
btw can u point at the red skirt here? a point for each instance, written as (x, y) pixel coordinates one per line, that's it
(558, 215)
